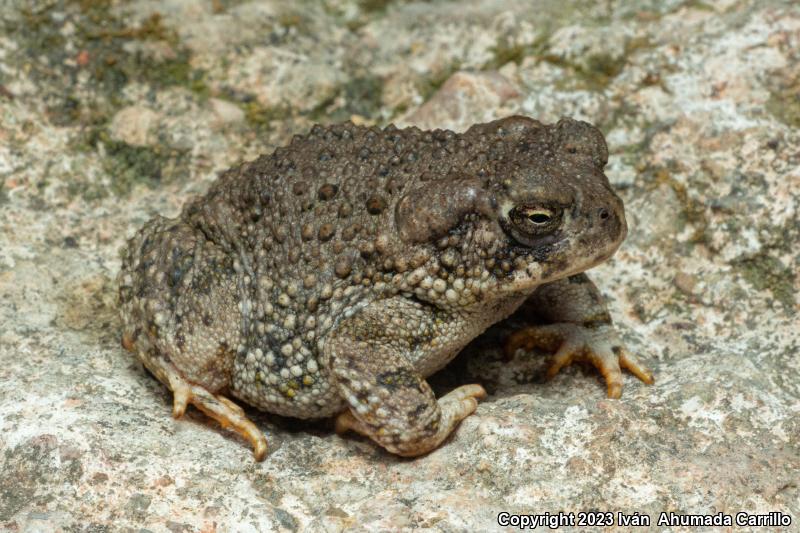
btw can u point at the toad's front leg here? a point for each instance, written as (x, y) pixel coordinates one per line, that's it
(389, 401)
(579, 328)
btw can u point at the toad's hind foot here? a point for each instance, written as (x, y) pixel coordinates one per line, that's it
(218, 407)
(598, 345)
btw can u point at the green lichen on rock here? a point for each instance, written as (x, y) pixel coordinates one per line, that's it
(126, 165)
(784, 100)
(374, 6)
(260, 117)
(360, 95)
(767, 273)
(693, 211)
(597, 69)
(508, 50)
(63, 42)
(428, 85)
(98, 43)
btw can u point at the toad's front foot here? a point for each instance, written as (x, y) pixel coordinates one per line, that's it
(598, 344)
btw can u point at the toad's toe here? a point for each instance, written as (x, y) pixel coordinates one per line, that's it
(599, 345)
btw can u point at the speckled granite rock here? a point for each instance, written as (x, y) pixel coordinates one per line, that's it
(111, 112)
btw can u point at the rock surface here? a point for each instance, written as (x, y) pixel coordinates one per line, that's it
(111, 112)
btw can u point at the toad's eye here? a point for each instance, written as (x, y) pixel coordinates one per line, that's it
(535, 220)
(540, 217)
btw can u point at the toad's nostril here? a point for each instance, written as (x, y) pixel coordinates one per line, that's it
(603, 213)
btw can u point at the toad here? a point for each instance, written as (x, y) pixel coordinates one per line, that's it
(331, 277)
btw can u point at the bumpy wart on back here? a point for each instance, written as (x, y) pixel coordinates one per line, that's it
(333, 275)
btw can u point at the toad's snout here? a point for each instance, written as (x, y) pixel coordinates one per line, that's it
(610, 220)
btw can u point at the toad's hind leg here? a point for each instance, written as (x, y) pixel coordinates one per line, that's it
(180, 317)
(216, 406)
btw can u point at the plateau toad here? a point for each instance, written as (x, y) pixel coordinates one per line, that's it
(332, 276)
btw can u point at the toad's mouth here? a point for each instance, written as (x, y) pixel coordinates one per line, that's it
(553, 261)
